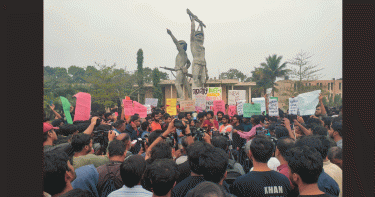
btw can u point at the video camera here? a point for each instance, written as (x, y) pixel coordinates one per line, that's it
(197, 133)
(261, 131)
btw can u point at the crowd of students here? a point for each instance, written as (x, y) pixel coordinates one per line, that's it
(194, 154)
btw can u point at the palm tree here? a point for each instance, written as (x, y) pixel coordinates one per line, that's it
(262, 83)
(272, 69)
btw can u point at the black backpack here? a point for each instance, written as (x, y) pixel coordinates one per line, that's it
(232, 173)
(108, 186)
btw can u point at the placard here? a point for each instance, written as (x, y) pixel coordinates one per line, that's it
(128, 107)
(199, 95)
(140, 109)
(219, 105)
(293, 106)
(307, 102)
(262, 102)
(83, 106)
(149, 111)
(251, 109)
(236, 95)
(66, 109)
(214, 93)
(187, 106)
(232, 110)
(151, 102)
(240, 107)
(273, 107)
(171, 106)
(209, 105)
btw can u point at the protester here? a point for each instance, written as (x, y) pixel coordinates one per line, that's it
(335, 156)
(326, 183)
(155, 125)
(111, 172)
(86, 179)
(132, 171)
(262, 181)
(207, 188)
(226, 129)
(183, 157)
(161, 177)
(219, 115)
(58, 174)
(336, 132)
(306, 165)
(210, 122)
(119, 127)
(255, 121)
(82, 146)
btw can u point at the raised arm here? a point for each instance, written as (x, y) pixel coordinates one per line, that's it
(175, 40)
(322, 108)
(192, 35)
(53, 110)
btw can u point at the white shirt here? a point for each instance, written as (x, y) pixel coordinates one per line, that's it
(137, 190)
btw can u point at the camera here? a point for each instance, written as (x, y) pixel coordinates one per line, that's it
(197, 133)
(261, 131)
(179, 125)
(170, 141)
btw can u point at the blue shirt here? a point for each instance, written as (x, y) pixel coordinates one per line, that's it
(87, 179)
(328, 185)
(137, 190)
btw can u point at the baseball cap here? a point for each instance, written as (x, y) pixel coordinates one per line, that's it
(47, 126)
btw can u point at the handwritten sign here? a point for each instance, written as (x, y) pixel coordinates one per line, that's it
(293, 106)
(171, 106)
(307, 102)
(240, 107)
(251, 109)
(140, 109)
(151, 102)
(262, 102)
(66, 109)
(232, 110)
(214, 93)
(198, 109)
(199, 95)
(273, 107)
(128, 107)
(148, 109)
(187, 106)
(236, 95)
(219, 105)
(83, 106)
(209, 105)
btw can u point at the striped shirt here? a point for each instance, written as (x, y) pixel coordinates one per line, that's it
(137, 190)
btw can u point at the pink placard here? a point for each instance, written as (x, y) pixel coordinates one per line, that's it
(128, 107)
(83, 106)
(232, 110)
(219, 105)
(140, 109)
(198, 109)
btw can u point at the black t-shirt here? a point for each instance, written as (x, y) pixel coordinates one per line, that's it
(267, 184)
(238, 141)
(184, 170)
(181, 189)
(321, 195)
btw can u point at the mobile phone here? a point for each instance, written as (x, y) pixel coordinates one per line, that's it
(134, 141)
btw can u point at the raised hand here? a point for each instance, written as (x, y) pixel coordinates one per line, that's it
(52, 107)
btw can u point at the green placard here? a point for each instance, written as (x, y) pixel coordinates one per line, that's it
(66, 108)
(251, 109)
(275, 98)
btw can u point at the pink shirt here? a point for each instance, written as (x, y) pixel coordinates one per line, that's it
(283, 169)
(251, 133)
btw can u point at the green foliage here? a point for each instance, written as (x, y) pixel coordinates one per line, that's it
(233, 74)
(157, 92)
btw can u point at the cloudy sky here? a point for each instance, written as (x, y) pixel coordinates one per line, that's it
(240, 33)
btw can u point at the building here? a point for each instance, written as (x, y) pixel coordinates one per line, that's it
(330, 87)
(169, 89)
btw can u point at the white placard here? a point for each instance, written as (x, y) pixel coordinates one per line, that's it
(236, 95)
(151, 102)
(262, 102)
(240, 107)
(273, 107)
(307, 102)
(293, 106)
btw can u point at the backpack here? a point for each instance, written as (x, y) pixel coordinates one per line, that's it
(108, 186)
(232, 173)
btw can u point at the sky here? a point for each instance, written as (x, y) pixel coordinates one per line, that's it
(239, 34)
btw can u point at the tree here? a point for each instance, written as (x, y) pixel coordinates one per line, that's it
(304, 70)
(262, 83)
(233, 74)
(337, 101)
(77, 73)
(272, 69)
(140, 76)
(157, 92)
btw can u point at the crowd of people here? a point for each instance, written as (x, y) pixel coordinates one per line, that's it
(194, 154)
